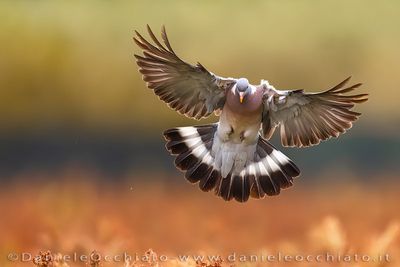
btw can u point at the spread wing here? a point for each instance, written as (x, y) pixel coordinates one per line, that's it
(305, 119)
(190, 90)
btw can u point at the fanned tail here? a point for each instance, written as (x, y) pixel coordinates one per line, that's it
(267, 174)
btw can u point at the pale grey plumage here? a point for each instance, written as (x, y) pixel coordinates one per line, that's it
(232, 157)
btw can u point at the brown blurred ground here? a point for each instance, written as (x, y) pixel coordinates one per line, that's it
(77, 215)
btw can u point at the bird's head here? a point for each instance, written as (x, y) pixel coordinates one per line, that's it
(242, 88)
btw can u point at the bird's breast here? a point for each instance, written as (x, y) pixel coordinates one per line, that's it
(252, 103)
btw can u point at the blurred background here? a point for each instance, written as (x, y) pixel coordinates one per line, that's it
(77, 121)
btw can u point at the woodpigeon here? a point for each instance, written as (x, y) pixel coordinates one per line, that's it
(233, 157)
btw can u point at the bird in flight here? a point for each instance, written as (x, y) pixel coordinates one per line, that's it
(233, 156)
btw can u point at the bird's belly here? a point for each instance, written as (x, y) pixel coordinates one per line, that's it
(237, 128)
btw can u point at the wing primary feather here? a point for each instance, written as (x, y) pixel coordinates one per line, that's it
(165, 38)
(340, 85)
(154, 38)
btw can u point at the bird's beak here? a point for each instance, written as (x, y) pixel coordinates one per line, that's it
(241, 97)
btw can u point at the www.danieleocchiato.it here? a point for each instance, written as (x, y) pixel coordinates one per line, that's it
(230, 258)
